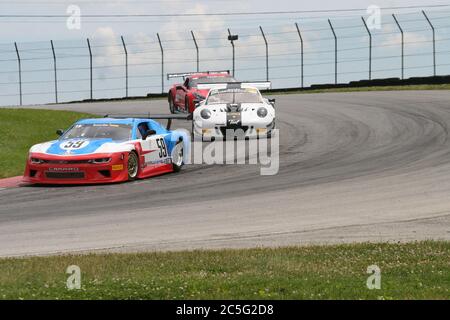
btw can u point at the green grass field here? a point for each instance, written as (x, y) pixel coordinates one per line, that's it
(22, 128)
(408, 271)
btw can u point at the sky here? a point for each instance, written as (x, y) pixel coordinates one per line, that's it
(33, 35)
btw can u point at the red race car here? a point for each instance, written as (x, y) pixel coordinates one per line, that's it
(184, 97)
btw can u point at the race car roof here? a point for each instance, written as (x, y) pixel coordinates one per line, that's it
(128, 121)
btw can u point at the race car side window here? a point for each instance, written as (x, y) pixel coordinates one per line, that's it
(138, 134)
(142, 129)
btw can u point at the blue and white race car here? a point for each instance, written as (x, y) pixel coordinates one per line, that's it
(110, 149)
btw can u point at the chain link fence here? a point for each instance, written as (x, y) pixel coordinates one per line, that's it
(290, 55)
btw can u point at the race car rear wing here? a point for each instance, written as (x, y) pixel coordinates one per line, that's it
(168, 117)
(260, 85)
(187, 74)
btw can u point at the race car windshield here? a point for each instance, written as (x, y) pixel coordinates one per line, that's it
(117, 132)
(209, 80)
(234, 96)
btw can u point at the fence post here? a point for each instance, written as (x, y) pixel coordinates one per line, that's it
(90, 67)
(370, 47)
(196, 48)
(54, 66)
(335, 53)
(403, 45)
(301, 43)
(267, 53)
(126, 66)
(434, 42)
(232, 44)
(162, 63)
(20, 72)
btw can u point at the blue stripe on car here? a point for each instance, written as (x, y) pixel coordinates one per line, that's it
(57, 147)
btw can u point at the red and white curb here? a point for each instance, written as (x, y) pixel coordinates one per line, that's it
(13, 182)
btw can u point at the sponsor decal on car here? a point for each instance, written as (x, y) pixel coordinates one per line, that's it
(70, 169)
(234, 118)
(117, 167)
(163, 161)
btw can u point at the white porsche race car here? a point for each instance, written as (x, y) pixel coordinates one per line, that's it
(234, 110)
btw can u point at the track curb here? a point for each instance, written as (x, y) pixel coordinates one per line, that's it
(13, 182)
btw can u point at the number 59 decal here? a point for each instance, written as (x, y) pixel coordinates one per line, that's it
(162, 147)
(72, 145)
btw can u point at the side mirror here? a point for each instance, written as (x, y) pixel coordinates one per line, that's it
(148, 134)
(272, 102)
(60, 132)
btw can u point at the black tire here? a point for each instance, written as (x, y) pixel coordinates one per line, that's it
(133, 166)
(171, 104)
(186, 105)
(270, 134)
(178, 163)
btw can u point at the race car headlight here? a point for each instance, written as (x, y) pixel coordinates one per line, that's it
(205, 114)
(262, 112)
(100, 160)
(36, 161)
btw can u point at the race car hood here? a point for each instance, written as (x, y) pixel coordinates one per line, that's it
(238, 107)
(79, 147)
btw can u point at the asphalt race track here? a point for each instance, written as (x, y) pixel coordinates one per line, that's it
(371, 166)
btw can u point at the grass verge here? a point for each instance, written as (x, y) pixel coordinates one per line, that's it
(22, 128)
(408, 271)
